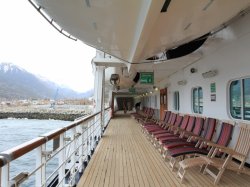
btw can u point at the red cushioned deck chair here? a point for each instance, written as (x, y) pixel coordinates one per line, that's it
(139, 114)
(148, 117)
(179, 133)
(170, 121)
(185, 138)
(157, 125)
(171, 132)
(203, 149)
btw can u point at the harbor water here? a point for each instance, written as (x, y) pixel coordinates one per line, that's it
(14, 132)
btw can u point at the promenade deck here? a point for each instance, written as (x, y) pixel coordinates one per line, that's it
(124, 157)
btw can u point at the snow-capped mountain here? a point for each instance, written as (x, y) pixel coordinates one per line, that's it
(17, 83)
(9, 68)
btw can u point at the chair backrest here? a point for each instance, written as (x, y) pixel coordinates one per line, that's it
(199, 122)
(209, 128)
(173, 118)
(164, 116)
(225, 134)
(190, 125)
(243, 143)
(184, 121)
(146, 110)
(178, 120)
(170, 117)
(167, 116)
(151, 112)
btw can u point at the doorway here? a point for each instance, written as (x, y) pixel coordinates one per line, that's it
(163, 102)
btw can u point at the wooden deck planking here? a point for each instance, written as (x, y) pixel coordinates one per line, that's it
(124, 157)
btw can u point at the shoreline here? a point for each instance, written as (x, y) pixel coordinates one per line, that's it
(41, 115)
(62, 112)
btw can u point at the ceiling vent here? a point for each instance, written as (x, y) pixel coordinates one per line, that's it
(209, 74)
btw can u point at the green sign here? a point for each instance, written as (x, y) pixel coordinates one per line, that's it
(213, 87)
(147, 77)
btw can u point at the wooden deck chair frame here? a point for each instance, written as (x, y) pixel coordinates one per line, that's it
(240, 153)
(223, 140)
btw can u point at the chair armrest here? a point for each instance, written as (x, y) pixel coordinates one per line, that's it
(160, 122)
(212, 144)
(199, 138)
(231, 152)
(189, 133)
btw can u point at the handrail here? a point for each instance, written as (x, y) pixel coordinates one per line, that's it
(18, 151)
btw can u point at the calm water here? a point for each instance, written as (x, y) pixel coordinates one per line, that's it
(16, 131)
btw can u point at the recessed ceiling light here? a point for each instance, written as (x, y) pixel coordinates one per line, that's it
(87, 3)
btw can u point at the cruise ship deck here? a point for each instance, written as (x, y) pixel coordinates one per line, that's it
(124, 157)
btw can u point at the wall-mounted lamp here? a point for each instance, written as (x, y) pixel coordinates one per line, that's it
(209, 74)
(114, 79)
(155, 88)
(182, 82)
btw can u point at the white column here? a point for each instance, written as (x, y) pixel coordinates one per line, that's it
(99, 91)
(99, 85)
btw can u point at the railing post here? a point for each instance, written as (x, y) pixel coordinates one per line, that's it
(40, 161)
(62, 160)
(5, 175)
(85, 142)
(80, 152)
(89, 138)
(73, 156)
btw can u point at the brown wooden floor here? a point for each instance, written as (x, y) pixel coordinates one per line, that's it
(124, 157)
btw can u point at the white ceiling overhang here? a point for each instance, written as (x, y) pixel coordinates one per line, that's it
(133, 30)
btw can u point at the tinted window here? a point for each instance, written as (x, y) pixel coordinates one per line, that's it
(240, 99)
(197, 95)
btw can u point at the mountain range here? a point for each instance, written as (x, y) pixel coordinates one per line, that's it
(17, 83)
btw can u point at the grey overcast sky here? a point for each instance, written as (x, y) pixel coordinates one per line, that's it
(29, 41)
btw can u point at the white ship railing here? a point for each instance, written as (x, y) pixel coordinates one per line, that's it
(67, 149)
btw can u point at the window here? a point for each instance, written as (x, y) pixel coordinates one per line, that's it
(176, 101)
(240, 99)
(197, 95)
